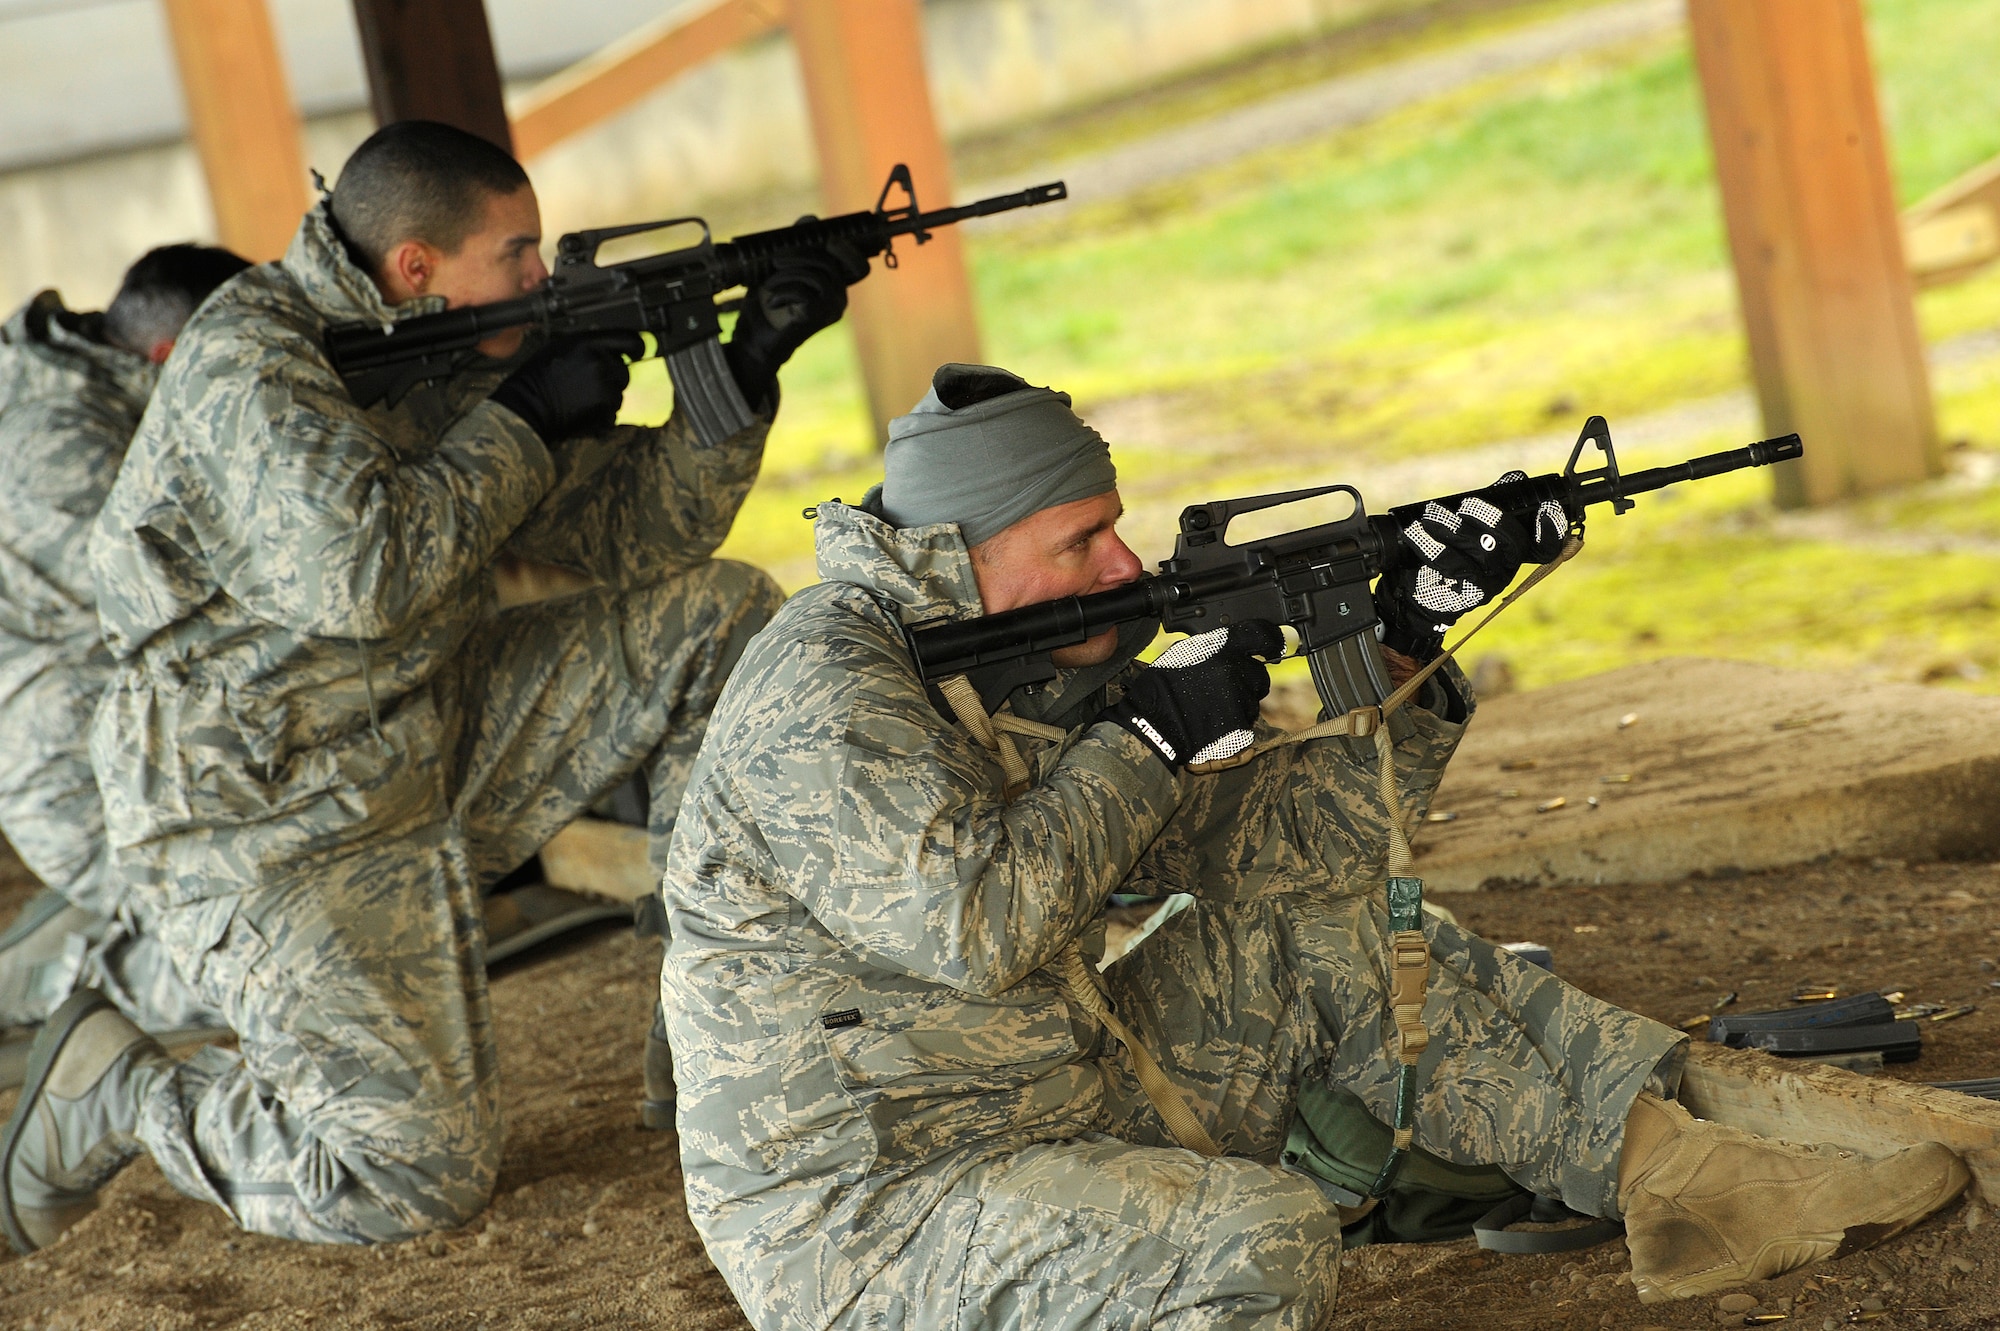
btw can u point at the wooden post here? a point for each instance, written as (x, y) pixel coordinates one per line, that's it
(433, 60)
(1811, 214)
(863, 62)
(241, 118)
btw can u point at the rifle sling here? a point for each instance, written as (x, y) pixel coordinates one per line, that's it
(1409, 950)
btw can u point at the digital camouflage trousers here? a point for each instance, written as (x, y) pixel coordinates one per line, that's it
(1247, 1005)
(52, 815)
(364, 1105)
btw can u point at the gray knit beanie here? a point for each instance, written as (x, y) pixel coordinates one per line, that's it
(985, 449)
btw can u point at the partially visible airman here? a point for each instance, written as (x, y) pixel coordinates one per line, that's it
(322, 741)
(72, 389)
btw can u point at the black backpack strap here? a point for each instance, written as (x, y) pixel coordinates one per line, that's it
(1494, 1236)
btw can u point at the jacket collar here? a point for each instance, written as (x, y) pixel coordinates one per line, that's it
(333, 284)
(73, 342)
(925, 573)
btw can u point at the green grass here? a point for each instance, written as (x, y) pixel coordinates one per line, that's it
(1490, 264)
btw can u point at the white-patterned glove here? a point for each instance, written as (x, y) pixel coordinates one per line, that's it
(1197, 703)
(1456, 559)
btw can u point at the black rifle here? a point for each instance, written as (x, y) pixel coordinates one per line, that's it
(670, 295)
(1315, 579)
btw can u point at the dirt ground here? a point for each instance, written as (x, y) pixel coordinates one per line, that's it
(588, 1228)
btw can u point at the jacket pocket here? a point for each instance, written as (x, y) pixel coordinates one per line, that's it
(951, 1042)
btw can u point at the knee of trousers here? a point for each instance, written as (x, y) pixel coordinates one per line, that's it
(710, 611)
(745, 596)
(1276, 1243)
(383, 1198)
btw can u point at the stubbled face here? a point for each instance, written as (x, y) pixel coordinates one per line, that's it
(1070, 550)
(499, 260)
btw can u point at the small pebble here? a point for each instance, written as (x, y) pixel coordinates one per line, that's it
(438, 1248)
(1538, 1287)
(1736, 1303)
(1973, 1215)
(591, 1229)
(1829, 1324)
(1963, 1265)
(1873, 1304)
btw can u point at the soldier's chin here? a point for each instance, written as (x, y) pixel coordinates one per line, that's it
(503, 344)
(1089, 652)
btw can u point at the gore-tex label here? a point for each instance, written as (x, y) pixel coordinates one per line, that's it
(833, 1021)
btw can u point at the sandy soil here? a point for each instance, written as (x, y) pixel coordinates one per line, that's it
(588, 1228)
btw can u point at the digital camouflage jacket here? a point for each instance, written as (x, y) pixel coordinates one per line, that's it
(281, 573)
(854, 984)
(68, 406)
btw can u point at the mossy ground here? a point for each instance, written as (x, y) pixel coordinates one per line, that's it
(1494, 263)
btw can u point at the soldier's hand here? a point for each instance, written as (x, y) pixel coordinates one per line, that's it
(805, 292)
(572, 386)
(1455, 559)
(1198, 701)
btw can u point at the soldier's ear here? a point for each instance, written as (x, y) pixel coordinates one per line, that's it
(160, 350)
(408, 270)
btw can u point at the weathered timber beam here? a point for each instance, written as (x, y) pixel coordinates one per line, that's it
(603, 858)
(1809, 207)
(1956, 231)
(1774, 1097)
(241, 118)
(432, 60)
(600, 86)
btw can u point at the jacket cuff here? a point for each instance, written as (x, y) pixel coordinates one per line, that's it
(1129, 763)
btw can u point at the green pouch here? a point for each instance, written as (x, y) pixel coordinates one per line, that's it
(1336, 1141)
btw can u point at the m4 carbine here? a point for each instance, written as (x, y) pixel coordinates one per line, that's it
(1315, 579)
(670, 295)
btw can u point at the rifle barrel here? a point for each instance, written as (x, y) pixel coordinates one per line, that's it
(1761, 454)
(1032, 197)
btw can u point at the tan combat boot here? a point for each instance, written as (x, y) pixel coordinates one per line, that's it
(89, 1071)
(1708, 1206)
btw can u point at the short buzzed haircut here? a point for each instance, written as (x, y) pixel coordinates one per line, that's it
(161, 290)
(419, 180)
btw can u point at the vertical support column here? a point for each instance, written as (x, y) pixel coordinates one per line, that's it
(1811, 214)
(863, 62)
(433, 60)
(241, 118)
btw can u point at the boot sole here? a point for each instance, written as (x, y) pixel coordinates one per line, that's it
(62, 1023)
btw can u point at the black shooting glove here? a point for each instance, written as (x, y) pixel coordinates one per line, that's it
(1198, 701)
(572, 386)
(805, 292)
(1451, 560)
